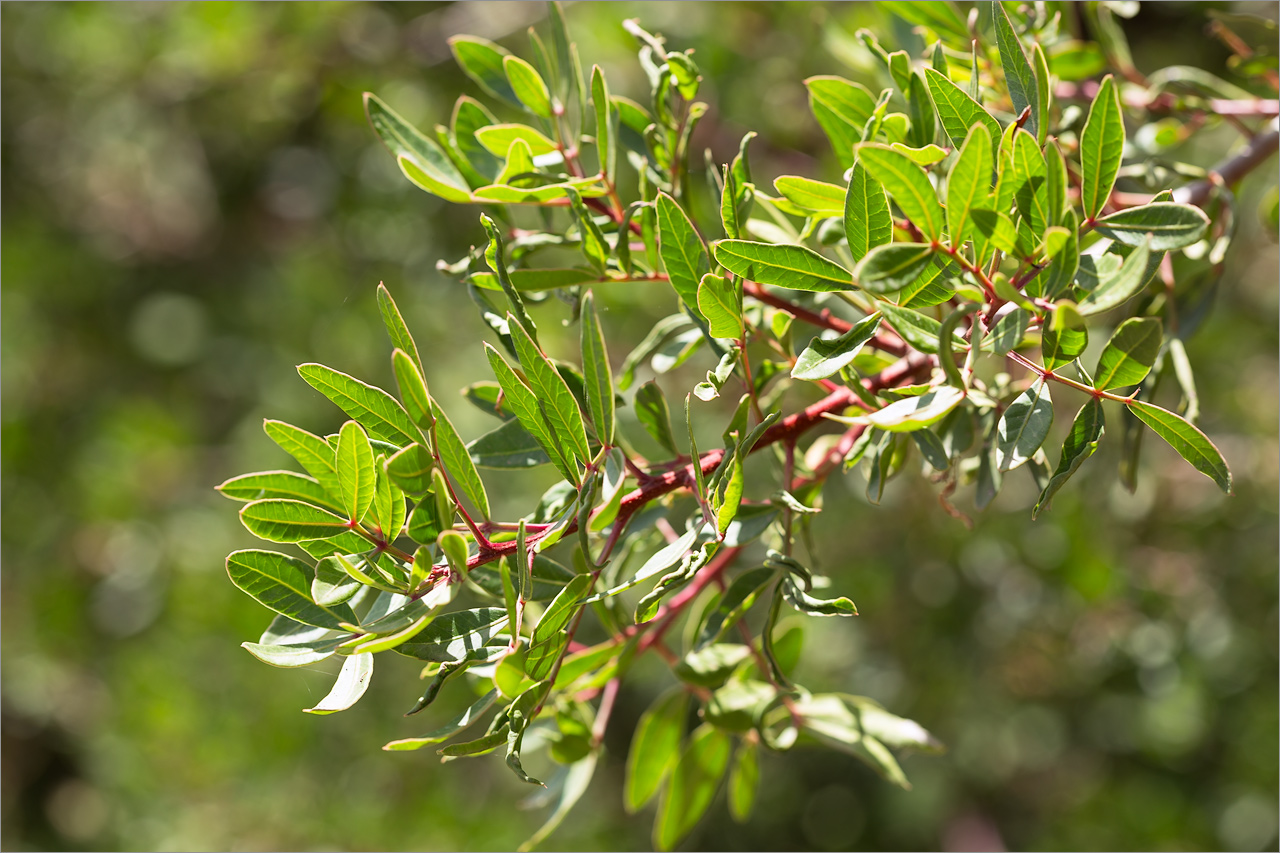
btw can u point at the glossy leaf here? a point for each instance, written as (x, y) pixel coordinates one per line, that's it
(374, 409)
(824, 358)
(278, 484)
(1024, 427)
(718, 301)
(893, 266)
(1129, 355)
(1080, 444)
(280, 583)
(278, 520)
(693, 785)
(311, 451)
(1101, 147)
(353, 681)
(789, 266)
(868, 223)
(907, 183)
(1061, 346)
(1170, 225)
(1191, 444)
(453, 636)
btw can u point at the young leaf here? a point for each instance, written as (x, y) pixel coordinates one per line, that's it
(482, 60)
(683, 254)
(1081, 442)
(868, 222)
(1101, 147)
(1170, 225)
(789, 266)
(959, 112)
(353, 681)
(554, 398)
(969, 182)
(907, 183)
(497, 139)
(356, 475)
(280, 583)
(823, 358)
(654, 415)
(718, 301)
(279, 484)
(278, 520)
(396, 328)
(1129, 354)
(528, 85)
(456, 460)
(1024, 427)
(596, 372)
(374, 409)
(893, 266)
(814, 197)
(405, 142)
(1191, 444)
(693, 785)
(1021, 80)
(1044, 92)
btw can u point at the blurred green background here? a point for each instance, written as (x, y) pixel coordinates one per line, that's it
(193, 204)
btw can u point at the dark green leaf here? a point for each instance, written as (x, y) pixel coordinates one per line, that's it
(1081, 442)
(1024, 426)
(917, 329)
(1118, 287)
(823, 358)
(1061, 346)
(893, 266)
(1129, 354)
(1170, 225)
(281, 584)
(481, 59)
(553, 396)
(805, 603)
(789, 266)
(452, 636)
(1101, 147)
(1009, 331)
(405, 142)
(1191, 444)
(535, 442)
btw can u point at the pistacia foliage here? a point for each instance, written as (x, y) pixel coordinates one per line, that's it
(921, 312)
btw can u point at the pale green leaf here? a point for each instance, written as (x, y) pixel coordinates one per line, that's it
(374, 409)
(718, 300)
(868, 223)
(528, 85)
(957, 111)
(279, 520)
(353, 681)
(280, 583)
(456, 460)
(789, 266)
(693, 785)
(907, 183)
(1101, 147)
(823, 358)
(683, 254)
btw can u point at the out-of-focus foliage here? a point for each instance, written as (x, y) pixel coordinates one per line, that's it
(192, 204)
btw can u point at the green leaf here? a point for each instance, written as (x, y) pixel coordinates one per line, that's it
(456, 460)
(278, 520)
(1101, 147)
(1024, 427)
(467, 718)
(1170, 225)
(374, 409)
(907, 183)
(1129, 355)
(388, 503)
(332, 584)
(596, 372)
(1021, 80)
(718, 299)
(941, 17)
(805, 603)
(814, 197)
(868, 223)
(539, 279)
(497, 139)
(606, 144)
(509, 446)
(512, 447)
(410, 468)
(353, 681)
(655, 748)
(893, 266)
(693, 785)
(789, 266)
(969, 182)
(592, 239)
(396, 328)
(553, 396)
(1118, 287)
(311, 451)
(654, 415)
(405, 142)
(280, 583)
(1009, 331)
(549, 636)
(469, 116)
(823, 358)
(932, 286)
(278, 484)
(297, 654)
(924, 120)
(413, 389)
(1081, 442)
(426, 181)
(914, 413)
(356, 475)
(1044, 93)
(683, 254)
(744, 780)
(1191, 444)
(958, 112)
(842, 109)
(1061, 346)
(453, 636)
(1030, 188)
(481, 59)
(917, 329)
(528, 85)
